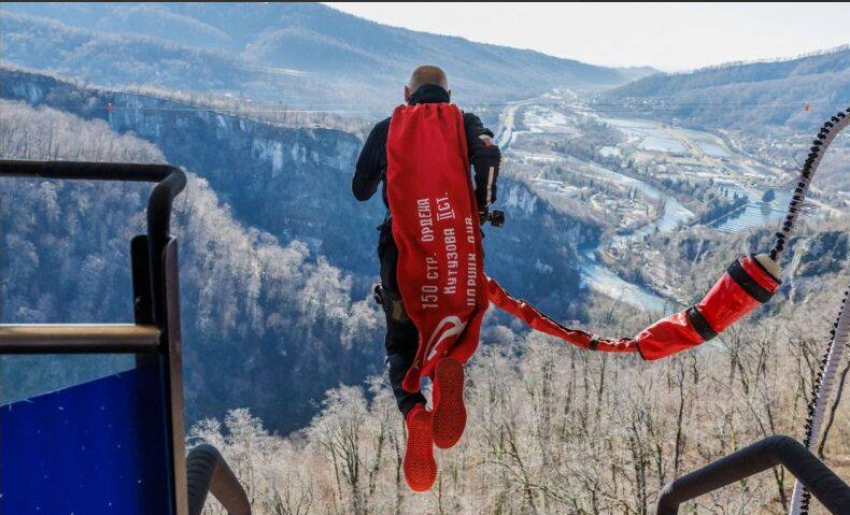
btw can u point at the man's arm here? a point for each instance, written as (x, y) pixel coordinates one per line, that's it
(372, 163)
(485, 158)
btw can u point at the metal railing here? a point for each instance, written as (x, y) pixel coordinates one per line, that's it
(155, 337)
(78, 339)
(829, 489)
(169, 180)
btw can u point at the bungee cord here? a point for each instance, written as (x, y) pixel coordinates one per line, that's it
(824, 139)
(750, 281)
(821, 392)
(840, 332)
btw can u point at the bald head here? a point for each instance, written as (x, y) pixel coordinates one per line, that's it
(428, 75)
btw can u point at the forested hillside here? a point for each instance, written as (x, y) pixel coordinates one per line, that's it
(743, 95)
(557, 430)
(266, 324)
(285, 188)
(295, 183)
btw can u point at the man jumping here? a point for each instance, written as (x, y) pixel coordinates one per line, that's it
(428, 85)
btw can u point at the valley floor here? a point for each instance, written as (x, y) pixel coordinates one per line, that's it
(640, 178)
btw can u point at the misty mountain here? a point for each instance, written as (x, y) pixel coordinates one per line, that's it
(742, 95)
(264, 50)
(121, 60)
(632, 73)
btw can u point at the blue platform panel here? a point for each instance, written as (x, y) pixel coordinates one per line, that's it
(98, 448)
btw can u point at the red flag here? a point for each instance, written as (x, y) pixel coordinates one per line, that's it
(540, 322)
(436, 228)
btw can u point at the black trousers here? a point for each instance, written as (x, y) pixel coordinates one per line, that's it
(402, 339)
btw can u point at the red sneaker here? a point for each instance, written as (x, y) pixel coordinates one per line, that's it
(449, 411)
(420, 469)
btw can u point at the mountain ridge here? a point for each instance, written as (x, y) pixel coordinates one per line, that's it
(358, 60)
(781, 93)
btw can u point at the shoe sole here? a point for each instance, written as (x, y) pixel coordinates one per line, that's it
(420, 469)
(449, 413)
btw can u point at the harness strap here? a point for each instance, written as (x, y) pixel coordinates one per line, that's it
(747, 283)
(700, 323)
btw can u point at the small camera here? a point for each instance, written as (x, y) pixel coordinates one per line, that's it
(496, 218)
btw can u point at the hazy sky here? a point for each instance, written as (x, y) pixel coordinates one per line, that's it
(666, 36)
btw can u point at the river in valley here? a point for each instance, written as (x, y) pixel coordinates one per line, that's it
(654, 136)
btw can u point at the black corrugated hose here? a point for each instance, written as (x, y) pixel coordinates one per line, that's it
(207, 471)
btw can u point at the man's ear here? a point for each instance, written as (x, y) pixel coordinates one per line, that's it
(449, 92)
(407, 93)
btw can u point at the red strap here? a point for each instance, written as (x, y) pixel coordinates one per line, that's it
(722, 306)
(540, 322)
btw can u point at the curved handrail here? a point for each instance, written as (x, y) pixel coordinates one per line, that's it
(821, 391)
(832, 492)
(822, 386)
(207, 471)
